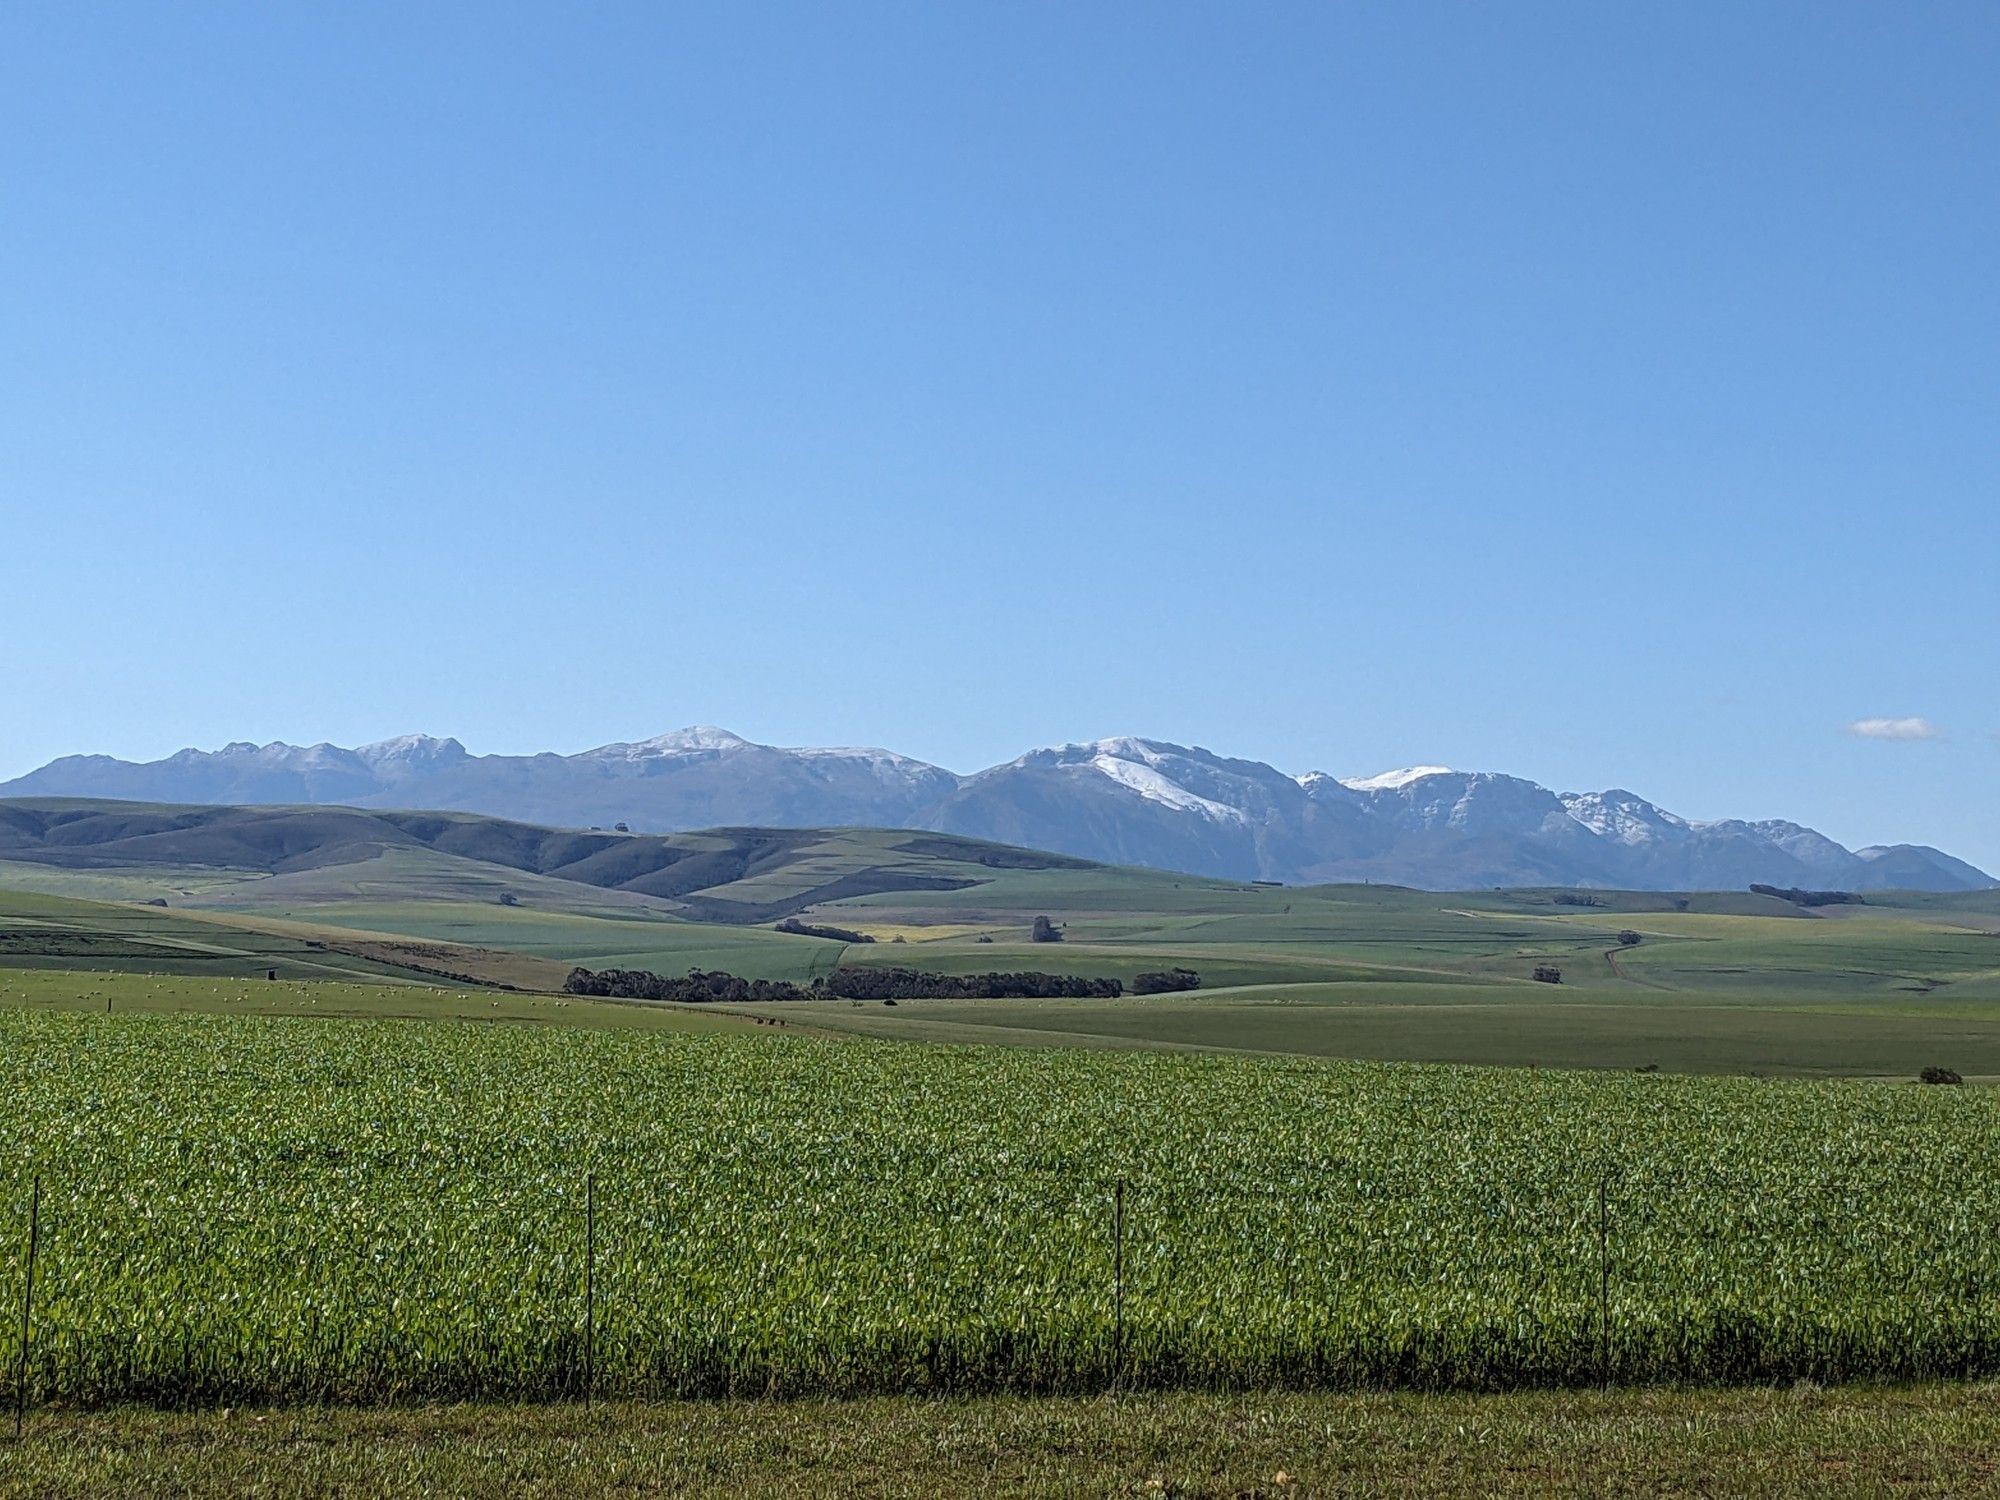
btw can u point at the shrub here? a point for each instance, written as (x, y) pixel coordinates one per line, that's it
(1166, 982)
(1629, 939)
(1044, 931)
(1548, 974)
(1939, 1075)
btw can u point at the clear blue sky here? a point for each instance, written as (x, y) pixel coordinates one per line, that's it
(1603, 393)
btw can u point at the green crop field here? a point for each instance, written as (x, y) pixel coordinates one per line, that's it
(244, 1208)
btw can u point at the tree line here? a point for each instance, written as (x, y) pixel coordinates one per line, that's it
(850, 982)
(699, 987)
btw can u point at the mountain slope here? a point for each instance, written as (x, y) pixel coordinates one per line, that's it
(1124, 800)
(1145, 802)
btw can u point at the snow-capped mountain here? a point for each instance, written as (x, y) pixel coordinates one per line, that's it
(1143, 802)
(1124, 800)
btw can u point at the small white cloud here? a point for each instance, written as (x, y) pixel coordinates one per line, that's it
(1895, 729)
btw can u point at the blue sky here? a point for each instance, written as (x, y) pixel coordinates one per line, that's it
(1606, 394)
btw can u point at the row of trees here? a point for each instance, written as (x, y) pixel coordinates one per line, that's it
(699, 987)
(852, 983)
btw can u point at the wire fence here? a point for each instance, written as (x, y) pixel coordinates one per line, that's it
(335, 1281)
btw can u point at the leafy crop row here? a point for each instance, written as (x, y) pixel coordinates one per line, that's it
(240, 1209)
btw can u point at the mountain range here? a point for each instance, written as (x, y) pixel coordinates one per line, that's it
(1123, 801)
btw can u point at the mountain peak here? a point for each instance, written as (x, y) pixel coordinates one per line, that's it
(700, 737)
(693, 739)
(410, 747)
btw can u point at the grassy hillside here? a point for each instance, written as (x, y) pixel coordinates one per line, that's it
(268, 857)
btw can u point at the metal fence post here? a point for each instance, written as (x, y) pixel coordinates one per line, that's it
(1117, 1280)
(1603, 1284)
(27, 1308)
(589, 1287)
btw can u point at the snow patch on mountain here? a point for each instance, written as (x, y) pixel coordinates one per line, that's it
(1149, 783)
(1393, 781)
(866, 753)
(1623, 817)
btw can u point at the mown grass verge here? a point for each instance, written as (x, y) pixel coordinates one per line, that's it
(1924, 1440)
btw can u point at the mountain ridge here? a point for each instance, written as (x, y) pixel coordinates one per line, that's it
(1123, 800)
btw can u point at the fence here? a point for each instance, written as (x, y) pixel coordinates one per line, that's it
(377, 1283)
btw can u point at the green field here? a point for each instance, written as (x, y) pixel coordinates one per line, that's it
(255, 1208)
(58, 991)
(1463, 1023)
